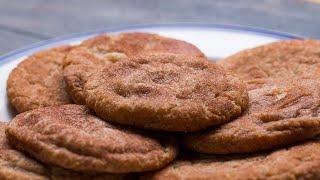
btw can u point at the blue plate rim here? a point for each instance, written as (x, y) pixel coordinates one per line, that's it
(225, 27)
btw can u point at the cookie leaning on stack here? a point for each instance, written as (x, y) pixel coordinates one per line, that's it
(137, 83)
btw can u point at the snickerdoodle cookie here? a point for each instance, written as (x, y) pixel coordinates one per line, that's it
(16, 165)
(280, 112)
(38, 81)
(167, 92)
(291, 58)
(71, 137)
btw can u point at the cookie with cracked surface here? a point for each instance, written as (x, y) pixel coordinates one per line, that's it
(38, 81)
(298, 162)
(167, 92)
(292, 58)
(280, 112)
(89, 55)
(71, 137)
(16, 165)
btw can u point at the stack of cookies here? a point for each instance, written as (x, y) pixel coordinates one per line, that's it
(143, 106)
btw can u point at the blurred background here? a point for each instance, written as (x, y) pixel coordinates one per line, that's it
(25, 22)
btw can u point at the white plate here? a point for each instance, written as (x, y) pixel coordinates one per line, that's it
(216, 41)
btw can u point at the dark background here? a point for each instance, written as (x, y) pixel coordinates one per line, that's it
(30, 21)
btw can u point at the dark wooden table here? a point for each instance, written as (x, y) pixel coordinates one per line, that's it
(26, 22)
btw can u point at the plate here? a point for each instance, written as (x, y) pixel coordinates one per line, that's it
(216, 41)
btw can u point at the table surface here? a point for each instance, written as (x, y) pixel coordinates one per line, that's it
(26, 22)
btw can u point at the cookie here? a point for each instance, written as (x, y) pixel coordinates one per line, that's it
(167, 92)
(280, 112)
(16, 165)
(69, 136)
(297, 162)
(284, 59)
(104, 49)
(38, 81)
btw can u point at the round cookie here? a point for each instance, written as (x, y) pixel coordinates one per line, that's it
(104, 49)
(38, 81)
(297, 162)
(69, 136)
(284, 59)
(167, 92)
(15, 165)
(280, 112)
